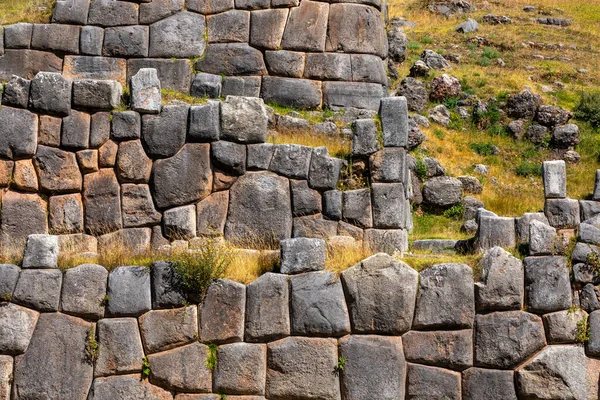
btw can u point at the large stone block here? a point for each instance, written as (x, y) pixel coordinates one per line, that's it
(389, 165)
(120, 347)
(16, 92)
(267, 26)
(299, 93)
(267, 308)
(166, 286)
(9, 274)
(564, 326)
(248, 86)
(314, 226)
(306, 29)
(97, 94)
(27, 63)
(6, 374)
(24, 177)
(302, 368)
(355, 28)
(259, 208)
(349, 94)
(502, 282)
(126, 387)
(164, 134)
(205, 122)
(554, 174)
(87, 67)
(505, 339)
(180, 35)
(166, 329)
(50, 93)
(174, 74)
(133, 166)
(229, 27)
(389, 205)
(182, 369)
(184, 178)
(374, 369)
(18, 133)
(489, 384)
(112, 13)
(209, 6)
(129, 291)
(562, 213)
(146, 97)
(91, 40)
(381, 293)
(356, 206)
(241, 369)
(156, 10)
(318, 306)
(302, 255)
(432, 383)
(445, 349)
(179, 223)
(66, 214)
(18, 36)
(22, 215)
(138, 207)
(56, 38)
(285, 63)
(547, 284)
(244, 120)
(83, 291)
(454, 284)
(368, 68)
(71, 12)
(222, 312)
(324, 171)
(99, 129)
(232, 59)
(495, 231)
(55, 363)
(328, 66)
(102, 200)
(76, 131)
(17, 325)
(39, 289)
(291, 160)
(394, 121)
(41, 251)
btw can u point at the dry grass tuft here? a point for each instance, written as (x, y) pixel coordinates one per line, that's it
(338, 146)
(342, 257)
(36, 11)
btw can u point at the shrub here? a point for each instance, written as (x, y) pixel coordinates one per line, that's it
(583, 331)
(451, 102)
(439, 133)
(455, 212)
(421, 169)
(489, 52)
(483, 149)
(529, 168)
(426, 40)
(588, 108)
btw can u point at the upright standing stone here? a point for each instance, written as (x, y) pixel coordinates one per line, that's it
(41, 251)
(364, 137)
(394, 121)
(555, 179)
(146, 96)
(267, 308)
(205, 122)
(222, 312)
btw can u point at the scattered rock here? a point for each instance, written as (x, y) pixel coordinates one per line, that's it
(443, 87)
(469, 26)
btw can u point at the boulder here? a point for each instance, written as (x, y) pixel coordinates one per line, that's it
(166, 329)
(434, 60)
(537, 134)
(504, 340)
(444, 87)
(241, 369)
(445, 349)
(300, 255)
(440, 115)
(39, 289)
(565, 136)
(182, 369)
(120, 347)
(523, 105)
(415, 93)
(442, 191)
(129, 291)
(244, 120)
(180, 36)
(84, 290)
(551, 116)
(432, 383)
(17, 325)
(222, 313)
(502, 282)
(469, 26)
(547, 284)
(398, 44)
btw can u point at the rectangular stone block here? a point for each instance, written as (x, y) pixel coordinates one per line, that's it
(91, 40)
(299, 93)
(328, 66)
(127, 41)
(56, 38)
(394, 121)
(71, 12)
(88, 67)
(173, 74)
(18, 36)
(352, 94)
(247, 86)
(554, 174)
(389, 205)
(27, 63)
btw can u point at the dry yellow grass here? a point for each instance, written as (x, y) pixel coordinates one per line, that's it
(338, 146)
(13, 11)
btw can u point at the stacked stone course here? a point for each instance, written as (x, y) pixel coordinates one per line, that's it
(380, 330)
(305, 54)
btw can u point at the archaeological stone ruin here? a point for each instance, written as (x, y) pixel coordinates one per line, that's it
(91, 155)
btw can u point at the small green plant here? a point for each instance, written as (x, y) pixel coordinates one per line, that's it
(92, 347)
(455, 212)
(451, 102)
(341, 365)
(588, 108)
(583, 331)
(483, 149)
(211, 359)
(145, 368)
(426, 40)
(105, 300)
(413, 46)
(593, 260)
(421, 169)
(489, 52)
(529, 168)
(6, 296)
(439, 133)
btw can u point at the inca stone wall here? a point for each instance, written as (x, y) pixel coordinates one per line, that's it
(153, 174)
(303, 54)
(379, 331)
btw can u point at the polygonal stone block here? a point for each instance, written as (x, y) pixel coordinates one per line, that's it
(120, 347)
(84, 291)
(129, 291)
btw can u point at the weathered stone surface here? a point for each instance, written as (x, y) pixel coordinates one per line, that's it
(364, 137)
(302, 255)
(388, 165)
(375, 367)
(76, 131)
(16, 92)
(210, 6)
(222, 312)
(166, 286)
(285, 63)
(559, 372)
(368, 68)
(314, 226)
(83, 291)
(102, 200)
(174, 74)
(41, 251)
(164, 134)
(373, 306)
(229, 156)
(50, 93)
(18, 133)
(562, 326)
(479, 383)
(229, 27)
(442, 191)
(259, 207)
(156, 10)
(247, 86)
(71, 12)
(9, 274)
(166, 329)
(205, 123)
(27, 63)
(138, 208)
(307, 27)
(562, 213)
(22, 215)
(126, 387)
(54, 365)
(394, 121)
(302, 368)
(17, 325)
(179, 223)
(133, 166)
(356, 206)
(502, 282)
(86, 67)
(346, 32)
(6, 373)
(87, 160)
(505, 339)
(39, 289)
(593, 344)
(555, 179)
(77, 243)
(120, 347)
(180, 35)
(446, 349)
(91, 40)
(432, 383)
(244, 120)
(324, 170)
(99, 129)
(305, 201)
(129, 291)
(267, 308)
(453, 283)
(318, 306)
(146, 96)
(547, 284)
(356, 94)
(112, 13)
(328, 66)
(389, 205)
(241, 369)
(298, 93)
(211, 214)
(18, 36)
(542, 239)
(232, 59)
(495, 231)
(49, 131)
(184, 178)
(267, 27)
(97, 94)
(332, 204)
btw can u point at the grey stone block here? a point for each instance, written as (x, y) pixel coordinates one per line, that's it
(71, 12)
(555, 179)
(18, 136)
(39, 289)
(16, 325)
(306, 29)
(373, 306)
(56, 38)
(547, 284)
(305, 201)
(298, 93)
(260, 156)
(267, 308)
(368, 68)
(167, 329)
(502, 282)
(562, 326)
(587, 233)
(27, 63)
(522, 225)
(133, 165)
(593, 344)
(22, 215)
(84, 290)
(180, 222)
(432, 383)
(291, 160)
(300, 367)
(41, 251)
(375, 367)
(496, 346)
(244, 120)
(206, 85)
(251, 4)
(589, 209)
(241, 369)
(129, 291)
(184, 178)
(542, 239)
(91, 40)
(16, 92)
(174, 74)
(8, 280)
(229, 156)
(76, 131)
(445, 349)
(128, 387)
(584, 274)
(18, 36)
(285, 63)
(332, 204)
(352, 94)
(479, 383)
(210, 6)
(247, 86)
(166, 286)
(57, 350)
(156, 10)
(232, 59)
(96, 94)
(300, 255)
(453, 283)
(267, 27)
(324, 171)
(229, 27)
(120, 347)
(328, 66)
(146, 96)
(99, 129)
(125, 125)
(211, 214)
(364, 137)
(356, 206)
(112, 13)
(204, 124)
(102, 196)
(581, 252)
(314, 226)
(495, 231)
(164, 134)
(318, 306)
(222, 312)
(389, 165)
(389, 205)
(394, 121)
(88, 67)
(182, 369)
(588, 299)
(126, 41)
(50, 93)
(562, 213)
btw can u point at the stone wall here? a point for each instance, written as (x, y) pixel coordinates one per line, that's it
(379, 331)
(305, 54)
(72, 165)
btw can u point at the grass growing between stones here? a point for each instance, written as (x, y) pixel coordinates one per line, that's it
(169, 95)
(36, 11)
(338, 146)
(340, 258)
(423, 260)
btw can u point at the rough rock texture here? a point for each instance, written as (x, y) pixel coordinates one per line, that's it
(129, 291)
(547, 284)
(182, 369)
(83, 291)
(502, 282)
(165, 329)
(120, 347)
(267, 308)
(479, 383)
(446, 349)
(17, 325)
(432, 383)
(241, 369)
(302, 255)
(222, 313)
